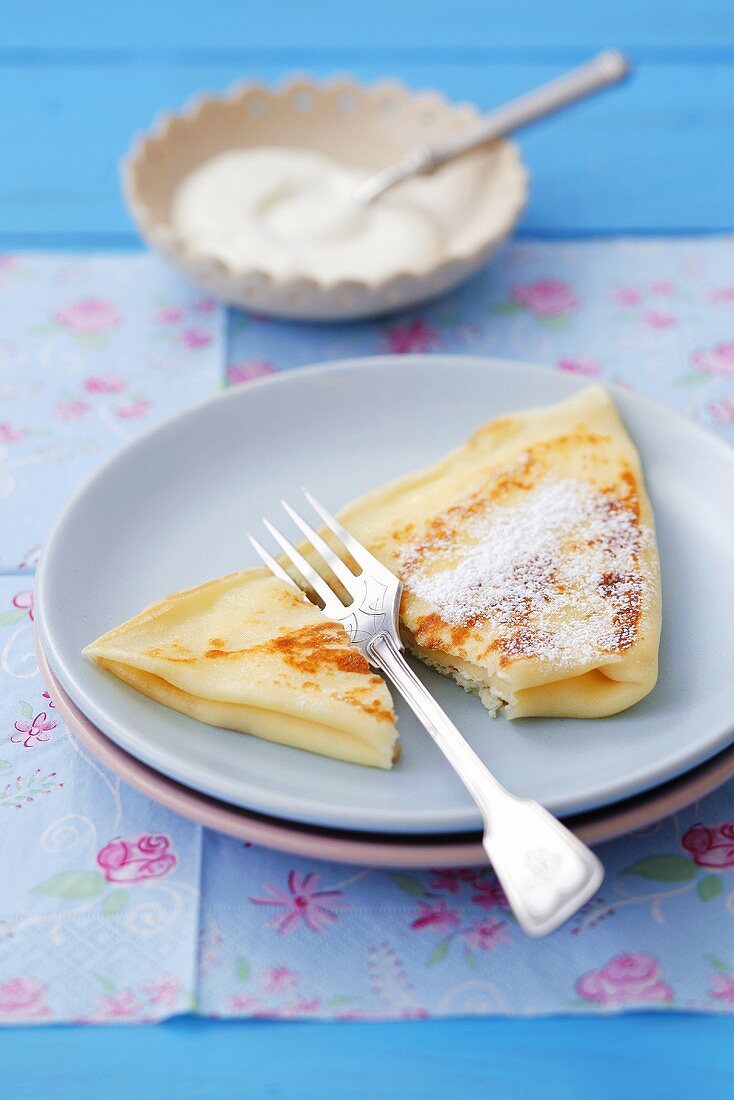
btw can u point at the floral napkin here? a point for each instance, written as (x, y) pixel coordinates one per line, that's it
(115, 909)
(92, 350)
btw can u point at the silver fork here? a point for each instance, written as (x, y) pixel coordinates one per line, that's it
(545, 871)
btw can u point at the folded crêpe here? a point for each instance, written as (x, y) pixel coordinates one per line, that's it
(247, 653)
(529, 561)
(530, 574)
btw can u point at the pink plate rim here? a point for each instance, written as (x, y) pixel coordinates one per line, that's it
(374, 849)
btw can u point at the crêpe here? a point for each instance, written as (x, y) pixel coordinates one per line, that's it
(247, 653)
(529, 561)
(530, 573)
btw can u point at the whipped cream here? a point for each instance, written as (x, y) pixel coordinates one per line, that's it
(290, 212)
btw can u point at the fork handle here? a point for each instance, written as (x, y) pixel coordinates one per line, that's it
(546, 872)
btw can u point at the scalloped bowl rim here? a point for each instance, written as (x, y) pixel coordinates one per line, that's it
(168, 240)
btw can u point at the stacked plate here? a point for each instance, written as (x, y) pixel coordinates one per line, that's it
(171, 510)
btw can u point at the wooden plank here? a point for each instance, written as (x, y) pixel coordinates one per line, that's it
(646, 157)
(642, 1056)
(655, 26)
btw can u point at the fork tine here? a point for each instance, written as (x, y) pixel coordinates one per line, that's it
(275, 568)
(355, 548)
(307, 571)
(332, 559)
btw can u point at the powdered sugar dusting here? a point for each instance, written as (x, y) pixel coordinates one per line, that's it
(555, 575)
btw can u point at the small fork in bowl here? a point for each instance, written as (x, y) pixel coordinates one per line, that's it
(546, 872)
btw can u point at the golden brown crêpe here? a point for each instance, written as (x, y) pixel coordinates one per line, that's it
(529, 561)
(247, 653)
(530, 573)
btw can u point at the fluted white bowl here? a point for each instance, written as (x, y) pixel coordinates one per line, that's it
(366, 127)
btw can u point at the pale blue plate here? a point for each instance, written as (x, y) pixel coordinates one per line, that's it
(171, 510)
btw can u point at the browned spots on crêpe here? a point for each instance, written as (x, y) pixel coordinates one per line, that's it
(166, 655)
(521, 642)
(626, 591)
(312, 649)
(217, 643)
(429, 631)
(632, 494)
(432, 632)
(498, 486)
(364, 700)
(495, 487)
(576, 439)
(402, 534)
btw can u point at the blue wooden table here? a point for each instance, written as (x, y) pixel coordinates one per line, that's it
(656, 156)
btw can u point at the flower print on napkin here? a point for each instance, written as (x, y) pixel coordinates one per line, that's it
(136, 859)
(88, 317)
(417, 336)
(31, 730)
(301, 903)
(632, 978)
(87, 362)
(549, 301)
(23, 999)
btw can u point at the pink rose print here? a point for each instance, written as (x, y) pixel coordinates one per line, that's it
(136, 859)
(657, 320)
(90, 316)
(195, 338)
(721, 296)
(546, 298)
(450, 880)
(485, 935)
(436, 917)
(722, 988)
(662, 286)
(490, 896)
(164, 990)
(133, 410)
(722, 411)
(9, 434)
(298, 1008)
(169, 315)
(205, 305)
(31, 733)
(107, 383)
(711, 846)
(243, 1003)
(627, 296)
(717, 361)
(303, 901)
(633, 978)
(22, 999)
(251, 368)
(415, 336)
(118, 1006)
(588, 368)
(24, 601)
(72, 410)
(279, 979)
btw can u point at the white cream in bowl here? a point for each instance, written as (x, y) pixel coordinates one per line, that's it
(289, 212)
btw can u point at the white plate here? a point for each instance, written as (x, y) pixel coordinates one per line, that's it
(171, 510)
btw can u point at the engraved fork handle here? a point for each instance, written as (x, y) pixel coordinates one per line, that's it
(546, 872)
